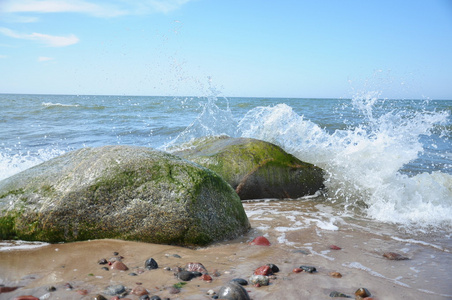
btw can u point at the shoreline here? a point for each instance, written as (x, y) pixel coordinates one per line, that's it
(300, 232)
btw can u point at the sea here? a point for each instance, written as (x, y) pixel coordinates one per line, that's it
(387, 162)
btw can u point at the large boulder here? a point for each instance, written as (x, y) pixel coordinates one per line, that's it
(254, 168)
(124, 192)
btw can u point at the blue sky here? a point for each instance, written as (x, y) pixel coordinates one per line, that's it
(261, 48)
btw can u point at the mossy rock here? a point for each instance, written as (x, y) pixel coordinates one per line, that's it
(123, 192)
(254, 168)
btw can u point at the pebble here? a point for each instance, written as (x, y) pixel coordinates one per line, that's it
(297, 270)
(334, 247)
(259, 279)
(362, 293)
(154, 298)
(195, 267)
(274, 268)
(264, 270)
(335, 274)
(26, 298)
(68, 286)
(211, 292)
(308, 269)
(173, 290)
(139, 291)
(185, 275)
(116, 258)
(133, 274)
(233, 291)
(339, 294)
(115, 289)
(51, 289)
(302, 251)
(240, 281)
(102, 261)
(394, 256)
(105, 268)
(117, 265)
(145, 297)
(151, 264)
(260, 241)
(99, 297)
(206, 277)
(7, 289)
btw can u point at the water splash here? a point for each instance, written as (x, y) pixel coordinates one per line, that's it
(363, 161)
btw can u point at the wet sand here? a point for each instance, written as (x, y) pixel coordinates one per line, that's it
(300, 233)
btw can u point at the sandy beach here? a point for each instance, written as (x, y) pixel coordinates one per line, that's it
(300, 232)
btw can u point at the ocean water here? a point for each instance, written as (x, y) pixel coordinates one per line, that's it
(387, 160)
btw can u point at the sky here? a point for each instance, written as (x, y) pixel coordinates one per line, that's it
(244, 48)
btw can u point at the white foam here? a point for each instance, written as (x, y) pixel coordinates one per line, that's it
(20, 245)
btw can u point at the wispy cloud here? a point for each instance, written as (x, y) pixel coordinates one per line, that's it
(44, 58)
(112, 8)
(3, 56)
(48, 40)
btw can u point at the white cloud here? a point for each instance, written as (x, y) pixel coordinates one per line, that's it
(49, 40)
(44, 58)
(112, 8)
(3, 56)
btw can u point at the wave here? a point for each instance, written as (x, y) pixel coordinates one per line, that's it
(62, 105)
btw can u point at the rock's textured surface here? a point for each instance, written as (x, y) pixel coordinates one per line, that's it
(254, 168)
(124, 192)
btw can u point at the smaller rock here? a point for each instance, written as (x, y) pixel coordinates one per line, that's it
(240, 281)
(117, 265)
(196, 267)
(196, 274)
(28, 297)
(68, 286)
(105, 268)
(144, 297)
(394, 256)
(151, 264)
(185, 275)
(260, 241)
(335, 274)
(116, 258)
(339, 294)
(233, 291)
(173, 290)
(99, 297)
(102, 261)
(139, 291)
(297, 270)
(302, 251)
(7, 289)
(259, 279)
(115, 253)
(154, 298)
(51, 289)
(362, 293)
(274, 268)
(206, 277)
(334, 247)
(264, 270)
(133, 274)
(115, 289)
(308, 269)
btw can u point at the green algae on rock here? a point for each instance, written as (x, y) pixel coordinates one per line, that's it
(254, 168)
(123, 192)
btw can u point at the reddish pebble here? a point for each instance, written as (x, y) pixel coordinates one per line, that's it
(139, 291)
(394, 256)
(334, 247)
(117, 265)
(264, 270)
(297, 270)
(206, 277)
(7, 289)
(257, 285)
(260, 241)
(26, 298)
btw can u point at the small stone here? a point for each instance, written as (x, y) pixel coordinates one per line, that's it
(240, 281)
(115, 253)
(105, 268)
(195, 267)
(335, 274)
(260, 241)
(68, 286)
(139, 291)
(28, 297)
(51, 289)
(264, 270)
(339, 294)
(196, 274)
(117, 265)
(154, 298)
(334, 247)
(116, 258)
(7, 289)
(362, 292)
(206, 277)
(302, 251)
(259, 279)
(99, 297)
(233, 291)
(297, 270)
(216, 273)
(133, 274)
(185, 275)
(394, 256)
(274, 268)
(102, 261)
(211, 292)
(167, 268)
(151, 264)
(308, 269)
(145, 297)
(115, 289)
